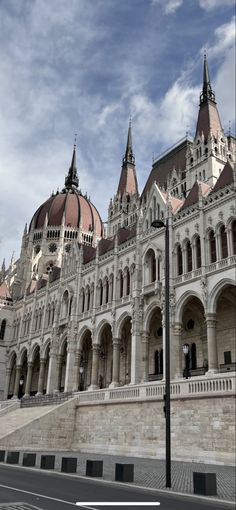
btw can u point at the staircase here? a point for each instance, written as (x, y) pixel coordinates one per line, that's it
(17, 418)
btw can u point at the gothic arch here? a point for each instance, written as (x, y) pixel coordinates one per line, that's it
(182, 302)
(148, 315)
(45, 347)
(63, 342)
(21, 355)
(85, 329)
(33, 351)
(120, 323)
(99, 329)
(214, 294)
(11, 359)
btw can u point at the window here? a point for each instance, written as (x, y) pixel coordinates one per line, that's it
(198, 252)
(189, 256)
(179, 261)
(223, 241)
(212, 242)
(2, 330)
(121, 284)
(234, 236)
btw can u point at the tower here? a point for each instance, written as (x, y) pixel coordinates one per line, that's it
(122, 209)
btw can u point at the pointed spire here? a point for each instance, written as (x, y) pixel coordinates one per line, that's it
(207, 92)
(129, 156)
(71, 179)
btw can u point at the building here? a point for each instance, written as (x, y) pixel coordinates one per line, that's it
(82, 311)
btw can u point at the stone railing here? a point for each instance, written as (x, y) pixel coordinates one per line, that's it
(204, 386)
(44, 400)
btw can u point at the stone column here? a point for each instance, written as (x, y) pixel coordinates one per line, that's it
(59, 373)
(116, 363)
(6, 389)
(70, 370)
(110, 290)
(76, 386)
(176, 351)
(41, 376)
(17, 381)
(94, 376)
(229, 240)
(211, 343)
(28, 379)
(52, 382)
(145, 359)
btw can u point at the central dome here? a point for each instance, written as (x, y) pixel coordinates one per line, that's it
(69, 207)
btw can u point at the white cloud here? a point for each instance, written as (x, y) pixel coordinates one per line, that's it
(209, 5)
(168, 6)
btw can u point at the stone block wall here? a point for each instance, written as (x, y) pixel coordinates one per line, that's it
(202, 429)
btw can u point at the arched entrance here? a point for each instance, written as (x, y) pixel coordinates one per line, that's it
(105, 357)
(125, 352)
(194, 333)
(86, 361)
(154, 348)
(226, 328)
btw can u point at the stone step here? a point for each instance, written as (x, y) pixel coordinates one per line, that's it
(19, 417)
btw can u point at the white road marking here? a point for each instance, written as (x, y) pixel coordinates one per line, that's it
(45, 497)
(107, 503)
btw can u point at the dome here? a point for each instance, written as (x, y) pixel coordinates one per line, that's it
(69, 207)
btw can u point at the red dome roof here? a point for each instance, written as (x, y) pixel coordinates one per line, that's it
(79, 212)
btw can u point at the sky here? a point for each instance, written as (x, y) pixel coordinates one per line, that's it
(85, 67)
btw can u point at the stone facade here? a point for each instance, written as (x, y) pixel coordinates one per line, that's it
(87, 312)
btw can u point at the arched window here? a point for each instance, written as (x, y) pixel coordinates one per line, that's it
(2, 330)
(223, 241)
(88, 298)
(153, 268)
(179, 261)
(193, 356)
(198, 252)
(212, 242)
(189, 256)
(121, 284)
(100, 293)
(234, 236)
(106, 290)
(65, 304)
(128, 282)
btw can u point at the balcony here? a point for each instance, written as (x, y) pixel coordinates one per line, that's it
(151, 289)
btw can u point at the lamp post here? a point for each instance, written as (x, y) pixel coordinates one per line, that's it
(81, 371)
(21, 383)
(186, 350)
(160, 224)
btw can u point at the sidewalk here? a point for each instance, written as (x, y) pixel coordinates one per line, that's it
(151, 473)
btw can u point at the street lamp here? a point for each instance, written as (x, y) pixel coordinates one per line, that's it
(81, 371)
(186, 350)
(161, 224)
(21, 382)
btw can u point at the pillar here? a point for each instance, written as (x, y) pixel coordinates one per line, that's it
(77, 362)
(145, 359)
(41, 376)
(28, 379)
(176, 352)
(17, 381)
(211, 343)
(7, 383)
(116, 363)
(70, 370)
(94, 376)
(52, 382)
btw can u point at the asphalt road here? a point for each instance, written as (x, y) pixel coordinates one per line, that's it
(51, 491)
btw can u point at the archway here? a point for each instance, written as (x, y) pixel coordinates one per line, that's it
(62, 367)
(226, 327)
(155, 346)
(105, 357)
(86, 361)
(125, 352)
(194, 333)
(35, 371)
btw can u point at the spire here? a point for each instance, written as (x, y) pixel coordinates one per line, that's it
(128, 180)
(71, 179)
(129, 157)
(208, 123)
(207, 92)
